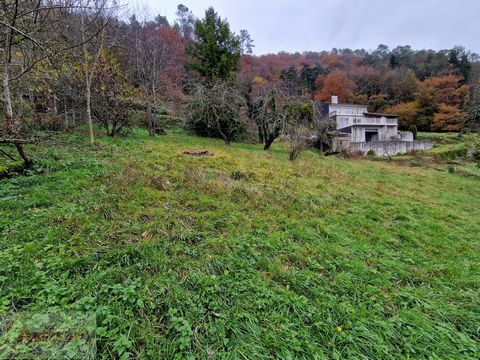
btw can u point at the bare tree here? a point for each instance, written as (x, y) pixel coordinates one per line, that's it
(216, 110)
(298, 139)
(95, 16)
(155, 59)
(276, 113)
(271, 115)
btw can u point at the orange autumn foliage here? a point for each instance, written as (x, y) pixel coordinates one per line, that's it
(448, 118)
(331, 61)
(336, 83)
(407, 113)
(449, 89)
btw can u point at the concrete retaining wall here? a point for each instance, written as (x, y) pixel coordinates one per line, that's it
(387, 147)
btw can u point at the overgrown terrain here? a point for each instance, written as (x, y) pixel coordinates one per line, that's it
(243, 255)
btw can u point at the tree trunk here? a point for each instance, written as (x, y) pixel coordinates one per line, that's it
(7, 97)
(151, 120)
(66, 113)
(89, 73)
(268, 143)
(21, 107)
(55, 109)
(12, 126)
(261, 135)
(31, 99)
(89, 112)
(27, 162)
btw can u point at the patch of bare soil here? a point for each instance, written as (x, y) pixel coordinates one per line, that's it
(196, 153)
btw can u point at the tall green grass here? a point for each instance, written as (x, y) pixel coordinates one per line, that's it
(244, 255)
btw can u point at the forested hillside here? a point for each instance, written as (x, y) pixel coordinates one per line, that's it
(81, 62)
(432, 89)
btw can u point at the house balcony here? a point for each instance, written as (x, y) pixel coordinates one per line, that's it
(346, 121)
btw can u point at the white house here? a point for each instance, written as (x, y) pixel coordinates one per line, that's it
(361, 130)
(362, 125)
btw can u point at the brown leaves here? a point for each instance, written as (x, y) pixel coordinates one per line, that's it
(336, 83)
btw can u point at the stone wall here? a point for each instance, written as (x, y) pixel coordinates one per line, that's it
(385, 147)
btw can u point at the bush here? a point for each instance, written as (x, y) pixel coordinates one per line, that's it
(371, 153)
(459, 152)
(112, 113)
(112, 97)
(476, 152)
(298, 140)
(413, 130)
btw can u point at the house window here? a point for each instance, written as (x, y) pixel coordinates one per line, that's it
(343, 121)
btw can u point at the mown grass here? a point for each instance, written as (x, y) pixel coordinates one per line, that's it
(244, 255)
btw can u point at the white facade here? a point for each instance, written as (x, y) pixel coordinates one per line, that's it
(362, 125)
(361, 131)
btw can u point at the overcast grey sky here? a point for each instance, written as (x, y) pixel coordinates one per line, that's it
(301, 25)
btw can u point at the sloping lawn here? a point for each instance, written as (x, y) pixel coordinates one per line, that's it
(243, 255)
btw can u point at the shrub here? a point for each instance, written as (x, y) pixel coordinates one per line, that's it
(300, 126)
(476, 152)
(371, 153)
(112, 97)
(459, 152)
(112, 113)
(413, 130)
(298, 140)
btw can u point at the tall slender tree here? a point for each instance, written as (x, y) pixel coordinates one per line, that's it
(246, 42)
(95, 17)
(185, 21)
(215, 52)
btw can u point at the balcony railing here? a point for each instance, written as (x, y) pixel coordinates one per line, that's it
(345, 121)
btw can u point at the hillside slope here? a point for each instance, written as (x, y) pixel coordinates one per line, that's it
(243, 254)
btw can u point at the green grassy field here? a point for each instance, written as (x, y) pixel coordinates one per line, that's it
(243, 255)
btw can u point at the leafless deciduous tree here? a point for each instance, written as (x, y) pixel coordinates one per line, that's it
(216, 110)
(155, 58)
(271, 115)
(94, 18)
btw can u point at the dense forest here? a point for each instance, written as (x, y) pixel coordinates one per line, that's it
(73, 62)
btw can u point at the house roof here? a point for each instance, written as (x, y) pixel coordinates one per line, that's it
(371, 114)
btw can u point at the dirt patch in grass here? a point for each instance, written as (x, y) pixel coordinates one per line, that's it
(196, 153)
